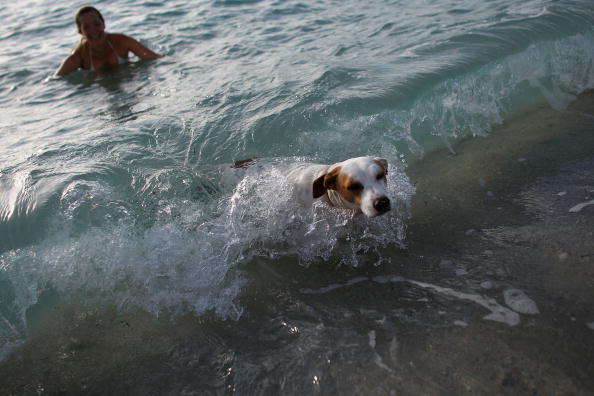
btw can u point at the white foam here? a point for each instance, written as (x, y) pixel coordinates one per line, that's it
(578, 208)
(557, 99)
(460, 323)
(372, 341)
(380, 363)
(163, 269)
(517, 300)
(334, 286)
(498, 312)
(563, 256)
(377, 359)
(473, 103)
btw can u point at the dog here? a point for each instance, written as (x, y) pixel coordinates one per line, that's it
(357, 184)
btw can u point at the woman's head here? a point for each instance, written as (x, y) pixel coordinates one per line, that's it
(84, 13)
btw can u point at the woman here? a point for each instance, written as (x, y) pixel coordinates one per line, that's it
(98, 49)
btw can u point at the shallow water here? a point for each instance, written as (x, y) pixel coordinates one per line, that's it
(134, 260)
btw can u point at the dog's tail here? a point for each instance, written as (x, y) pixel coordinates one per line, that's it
(244, 163)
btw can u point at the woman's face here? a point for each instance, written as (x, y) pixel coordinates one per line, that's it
(91, 26)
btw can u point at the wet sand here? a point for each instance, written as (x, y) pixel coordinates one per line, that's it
(493, 295)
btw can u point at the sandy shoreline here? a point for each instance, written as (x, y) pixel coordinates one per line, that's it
(494, 218)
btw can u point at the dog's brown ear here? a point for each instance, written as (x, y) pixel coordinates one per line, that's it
(318, 187)
(325, 182)
(382, 162)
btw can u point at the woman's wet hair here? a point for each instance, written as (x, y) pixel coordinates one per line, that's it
(84, 10)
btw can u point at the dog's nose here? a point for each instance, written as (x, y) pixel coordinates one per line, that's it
(382, 205)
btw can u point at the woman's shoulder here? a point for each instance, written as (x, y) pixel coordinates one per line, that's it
(120, 41)
(79, 48)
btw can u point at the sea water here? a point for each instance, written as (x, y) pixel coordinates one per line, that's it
(116, 190)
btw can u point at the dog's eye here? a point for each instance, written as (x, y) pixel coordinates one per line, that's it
(355, 187)
(380, 176)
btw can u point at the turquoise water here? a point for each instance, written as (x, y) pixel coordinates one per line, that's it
(116, 191)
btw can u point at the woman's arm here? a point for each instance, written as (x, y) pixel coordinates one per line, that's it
(138, 49)
(70, 64)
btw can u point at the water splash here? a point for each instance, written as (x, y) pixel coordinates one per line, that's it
(169, 256)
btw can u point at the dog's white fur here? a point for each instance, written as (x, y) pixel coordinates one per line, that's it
(357, 184)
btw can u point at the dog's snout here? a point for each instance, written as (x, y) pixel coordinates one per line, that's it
(382, 205)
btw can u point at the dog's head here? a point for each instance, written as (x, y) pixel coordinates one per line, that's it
(361, 182)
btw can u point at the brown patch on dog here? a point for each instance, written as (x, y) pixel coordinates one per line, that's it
(325, 182)
(349, 188)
